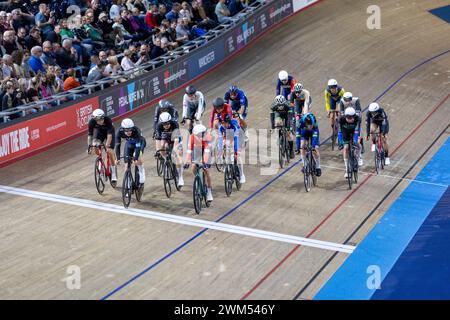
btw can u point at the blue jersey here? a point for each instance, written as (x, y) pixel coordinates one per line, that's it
(234, 125)
(304, 133)
(303, 126)
(238, 102)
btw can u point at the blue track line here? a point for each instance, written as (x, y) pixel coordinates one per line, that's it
(260, 189)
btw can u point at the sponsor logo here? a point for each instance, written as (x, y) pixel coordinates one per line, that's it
(84, 114)
(230, 43)
(108, 105)
(131, 97)
(263, 21)
(14, 141)
(169, 78)
(54, 127)
(35, 134)
(273, 13)
(206, 59)
(246, 33)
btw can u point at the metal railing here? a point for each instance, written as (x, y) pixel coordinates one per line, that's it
(143, 68)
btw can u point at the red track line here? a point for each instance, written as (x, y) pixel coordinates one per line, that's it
(263, 279)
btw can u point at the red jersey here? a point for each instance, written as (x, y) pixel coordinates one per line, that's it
(196, 144)
(214, 114)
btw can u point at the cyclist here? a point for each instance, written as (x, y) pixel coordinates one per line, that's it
(168, 135)
(104, 130)
(301, 100)
(348, 100)
(377, 118)
(164, 106)
(199, 150)
(193, 106)
(308, 132)
(281, 115)
(229, 127)
(285, 84)
(349, 129)
(239, 104)
(134, 145)
(219, 110)
(333, 94)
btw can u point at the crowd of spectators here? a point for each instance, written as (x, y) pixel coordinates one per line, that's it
(50, 46)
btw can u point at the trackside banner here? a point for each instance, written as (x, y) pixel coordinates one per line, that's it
(25, 136)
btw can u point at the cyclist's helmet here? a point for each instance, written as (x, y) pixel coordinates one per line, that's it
(332, 83)
(280, 99)
(309, 119)
(374, 107)
(162, 103)
(233, 89)
(190, 90)
(348, 96)
(198, 128)
(165, 118)
(349, 112)
(98, 114)
(127, 123)
(227, 118)
(298, 87)
(283, 75)
(218, 103)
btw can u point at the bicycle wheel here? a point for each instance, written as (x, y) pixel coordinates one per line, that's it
(113, 183)
(281, 150)
(197, 194)
(175, 176)
(228, 179)
(306, 174)
(167, 176)
(355, 168)
(287, 150)
(219, 160)
(99, 175)
(313, 171)
(138, 187)
(159, 165)
(377, 161)
(127, 188)
(237, 176)
(205, 189)
(350, 171)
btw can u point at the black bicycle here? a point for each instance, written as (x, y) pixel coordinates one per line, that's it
(379, 154)
(200, 189)
(232, 174)
(309, 169)
(131, 185)
(352, 164)
(219, 158)
(284, 151)
(169, 168)
(335, 130)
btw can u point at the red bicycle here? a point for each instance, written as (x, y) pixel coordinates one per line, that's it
(102, 172)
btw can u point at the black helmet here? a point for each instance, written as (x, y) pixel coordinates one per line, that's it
(233, 89)
(227, 118)
(218, 103)
(190, 90)
(162, 103)
(167, 105)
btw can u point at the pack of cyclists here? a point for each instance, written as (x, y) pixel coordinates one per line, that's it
(291, 110)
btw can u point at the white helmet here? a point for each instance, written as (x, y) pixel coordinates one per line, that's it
(374, 107)
(348, 96)
(165, 117)
(127, 123)
(198, 128)
(350, 112)
(332, 82)
(98, 114)
(283, 75)
(280, 99)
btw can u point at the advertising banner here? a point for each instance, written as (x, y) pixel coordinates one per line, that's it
(37, 133)
(206, 58)
(300, 4)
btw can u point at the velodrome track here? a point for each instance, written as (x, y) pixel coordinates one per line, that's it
(406, 65)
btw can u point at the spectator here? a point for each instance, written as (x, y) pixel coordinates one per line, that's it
(66, 56)
(96, 8)
(71, 81)
(222, 12)
(9, 100)
(127, 63)
(138, 24)
(103, 56)
(161, 14)
(104, 24)
(9, 43)
(138, 4)
(21, 38)
(171, 36)
(186, 11)
(126, 35)
(157, 50)
(174, 13)
(96, 73)
(20, 19)
(150, 17)
(113, 68)
(115, 9)
(235, 6)
(33, 39)
(24, 71)
(33, 89)
(45, 89)
(48, 57)
(27, 17)
(8, 67)
(95, 34)
(183, 31)
(199, 16)
(35, 62)
(45, 21)
(82, 37)
(4, 25)
(144, 52)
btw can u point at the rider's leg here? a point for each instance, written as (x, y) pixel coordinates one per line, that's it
(373, 129)
(345, 154)
(112, 161)
(304, 143)
(209, 196)
(316, 154)
(179, 161)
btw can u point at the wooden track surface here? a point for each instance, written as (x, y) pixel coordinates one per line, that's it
(40, 239)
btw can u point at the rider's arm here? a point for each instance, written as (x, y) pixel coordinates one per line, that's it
(327, 100)
(356, 134)
(340, 131)
(207, 150)
(118, 143)
(212, 118)
(185, 105)
(278, 87)
(190, 147)
(243, 99)
(201, 105)
(110, 132)
(226, 97)
(307, 100)
(91, 125)
(368, 121)
(341, 93)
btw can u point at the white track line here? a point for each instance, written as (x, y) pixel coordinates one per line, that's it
(390, 177)
(180, 220)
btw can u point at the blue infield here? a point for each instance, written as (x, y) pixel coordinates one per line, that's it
(442, 12)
